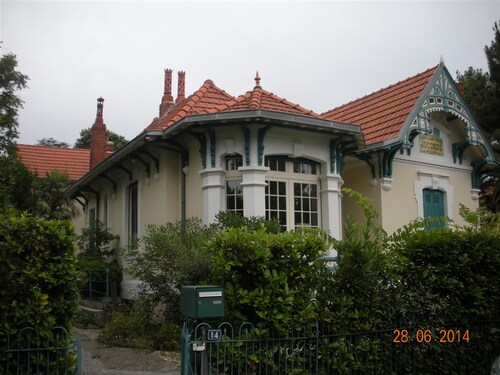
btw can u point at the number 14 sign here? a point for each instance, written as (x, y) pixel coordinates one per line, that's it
(214, 334)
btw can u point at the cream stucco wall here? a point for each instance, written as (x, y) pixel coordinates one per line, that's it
(357, 176)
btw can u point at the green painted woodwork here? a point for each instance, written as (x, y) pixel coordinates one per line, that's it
(434, 206)
(246, 138)
(202, 140)
(202, 301)
(261, 146)
(339, 148)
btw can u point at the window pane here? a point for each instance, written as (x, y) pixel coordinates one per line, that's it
(281, 165)
(314, 205)
(314, 220)
(239, 202)
(274, 203)
(233, 162)
(273, 185)
(305, 218)
(305, 204)
(296, 190)
(314, 190)
(282, 218)
(282, 203)
(298, 219)
(296, 204)
(282, 188)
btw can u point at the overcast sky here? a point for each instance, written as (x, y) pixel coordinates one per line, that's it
(317, 54)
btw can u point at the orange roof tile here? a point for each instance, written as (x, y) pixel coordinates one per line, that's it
(74, 162)
(382, 114)
(211, 99)
(262, 99)
(207, 99)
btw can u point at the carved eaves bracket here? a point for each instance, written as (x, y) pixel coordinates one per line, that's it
(202, 140)
(339, 148)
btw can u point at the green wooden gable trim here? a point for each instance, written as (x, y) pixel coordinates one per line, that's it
(440, 95)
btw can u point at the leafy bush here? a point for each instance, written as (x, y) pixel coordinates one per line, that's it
(97, 255)
(269, 279)
(226, 220)
(170, 256)
(360, 294)
(38, 275)
(135, 327)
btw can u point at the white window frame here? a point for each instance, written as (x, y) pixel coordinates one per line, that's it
(233, 174)
(290, 178)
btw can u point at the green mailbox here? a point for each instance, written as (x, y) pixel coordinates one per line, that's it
(202, 301)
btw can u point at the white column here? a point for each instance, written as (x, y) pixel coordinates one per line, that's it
(254, 190)
(212, 185)
(331, 204)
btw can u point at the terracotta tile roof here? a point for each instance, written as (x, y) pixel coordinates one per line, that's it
(211, 99)
(207, 99)
(262, 99)
(74, 162)
(382, 113)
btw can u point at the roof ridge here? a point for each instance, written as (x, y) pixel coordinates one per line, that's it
(54, 147)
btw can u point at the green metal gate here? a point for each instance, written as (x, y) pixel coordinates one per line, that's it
(30, 351)
(315, 349)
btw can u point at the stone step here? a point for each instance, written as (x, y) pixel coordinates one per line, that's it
(96, 313)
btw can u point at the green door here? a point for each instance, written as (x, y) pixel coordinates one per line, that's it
(434, 206)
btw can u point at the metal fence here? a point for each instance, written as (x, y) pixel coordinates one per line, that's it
(50, 352)
(316, 349)
(98, 284)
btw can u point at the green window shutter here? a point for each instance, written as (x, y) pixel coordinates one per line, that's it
(434, 206)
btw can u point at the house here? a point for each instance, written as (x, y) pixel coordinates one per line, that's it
(412, 147)
(74, 162)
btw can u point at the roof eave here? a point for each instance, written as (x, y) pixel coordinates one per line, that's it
(263, 115)
(118, 155)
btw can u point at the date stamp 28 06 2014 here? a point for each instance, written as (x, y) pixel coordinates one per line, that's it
(425, 336)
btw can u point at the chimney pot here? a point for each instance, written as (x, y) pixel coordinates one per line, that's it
(181, 81)
(167, 101)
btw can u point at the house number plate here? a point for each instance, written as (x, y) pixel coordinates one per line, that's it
(214, 335)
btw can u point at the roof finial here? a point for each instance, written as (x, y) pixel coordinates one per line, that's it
(257, 79)
(441, 60)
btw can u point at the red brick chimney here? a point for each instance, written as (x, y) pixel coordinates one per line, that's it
(167, 101)
(98, 137)
(181, 80)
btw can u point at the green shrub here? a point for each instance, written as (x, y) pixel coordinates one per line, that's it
(38, 275)
(269, 279)
(97, 255)
(135, 327)
(170, 256)
(226, 220)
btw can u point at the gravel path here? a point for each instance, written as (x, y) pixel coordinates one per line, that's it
(100, 360)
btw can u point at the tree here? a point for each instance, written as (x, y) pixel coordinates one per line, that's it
(11, 80)
(83, 140)
(49, 198)
(482, 94)
(52, 142)
(12, 172)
